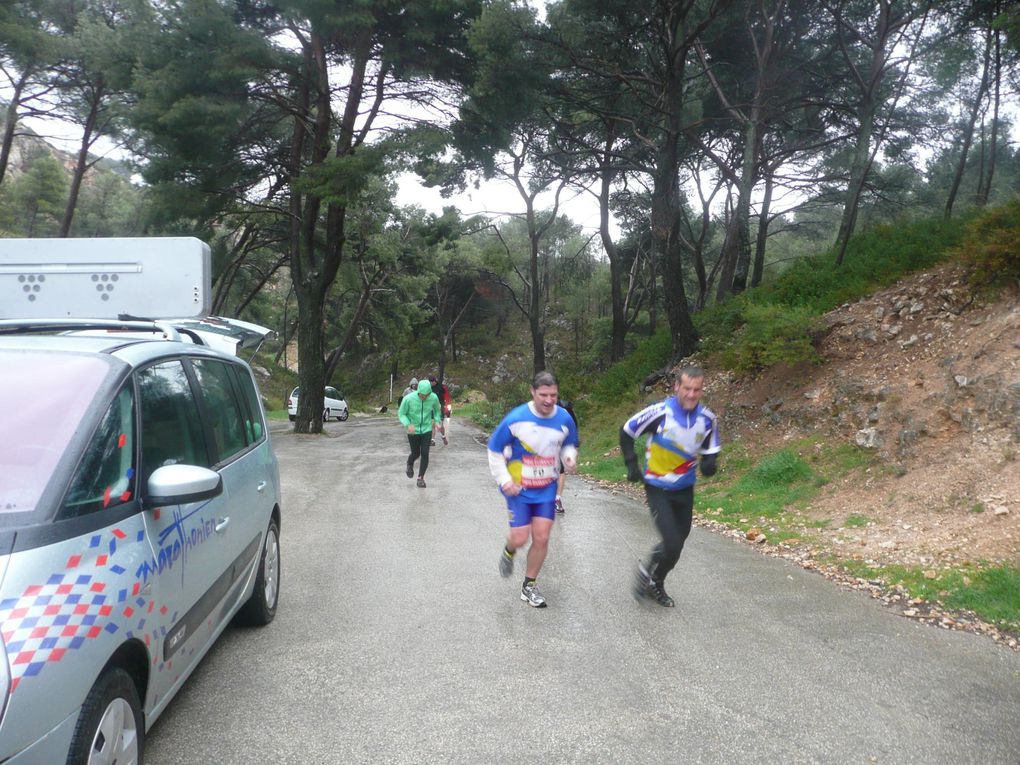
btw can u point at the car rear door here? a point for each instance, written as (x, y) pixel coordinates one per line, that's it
(243, 458)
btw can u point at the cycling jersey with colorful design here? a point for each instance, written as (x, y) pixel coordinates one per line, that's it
(531, 446)
(677, 437)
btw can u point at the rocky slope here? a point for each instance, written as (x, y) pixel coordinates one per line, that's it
(928, 377)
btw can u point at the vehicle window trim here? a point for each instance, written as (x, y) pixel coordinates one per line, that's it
(136, 480)
(63, 529)
(204, 413)
(189, 375)
(241, 374)
(55, 494)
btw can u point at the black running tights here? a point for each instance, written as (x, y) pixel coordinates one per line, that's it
(420, 443)
(673, 512)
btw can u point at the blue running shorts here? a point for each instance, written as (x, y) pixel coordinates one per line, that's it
(522, 511)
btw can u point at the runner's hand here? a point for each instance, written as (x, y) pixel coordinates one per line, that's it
(570, 465)
(633, 472)
(511, 489)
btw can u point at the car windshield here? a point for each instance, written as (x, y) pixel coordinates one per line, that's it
(45, 397)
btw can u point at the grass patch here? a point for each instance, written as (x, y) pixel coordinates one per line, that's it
(485, 414)
(992, 593)
(753, 491)
(855, 522)
(773, 484)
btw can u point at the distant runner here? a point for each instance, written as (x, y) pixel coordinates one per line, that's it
(443, 393)
(562, 480)
(525, 452)
(420, 414)
(680, 429)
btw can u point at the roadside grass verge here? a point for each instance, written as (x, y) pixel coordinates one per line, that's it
(990, 592)
(772, 491)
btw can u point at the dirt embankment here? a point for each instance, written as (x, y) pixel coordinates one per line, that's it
(928, 377)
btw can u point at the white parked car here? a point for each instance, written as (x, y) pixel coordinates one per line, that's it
(333, 405)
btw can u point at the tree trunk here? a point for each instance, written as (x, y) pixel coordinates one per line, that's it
(311, 363)
(763, 232)
(727, 256)
(968, 133)
(665, 245)
(10, 123)
(535, 302)
(742, 215)
(80, 167)
(859, 167)
(618, 334)
(985, 190)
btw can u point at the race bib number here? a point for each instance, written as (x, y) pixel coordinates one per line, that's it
(537, 472)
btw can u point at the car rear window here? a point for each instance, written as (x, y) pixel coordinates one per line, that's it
(225, 412)
(45, 395)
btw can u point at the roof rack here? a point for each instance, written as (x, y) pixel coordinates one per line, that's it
(32, 326)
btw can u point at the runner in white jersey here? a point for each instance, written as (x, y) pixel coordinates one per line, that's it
(679, 430)
(525, 453)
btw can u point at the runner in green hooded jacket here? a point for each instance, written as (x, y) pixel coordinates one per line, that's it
(420, 414)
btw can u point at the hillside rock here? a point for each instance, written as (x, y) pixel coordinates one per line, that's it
(928, 378)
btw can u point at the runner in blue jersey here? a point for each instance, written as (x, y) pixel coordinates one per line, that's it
(525, 452)
(679, 430)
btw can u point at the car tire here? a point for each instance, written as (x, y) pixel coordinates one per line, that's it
(110, 727)
(260, 609)
(292, 417)
(325, 415)
(342, 417)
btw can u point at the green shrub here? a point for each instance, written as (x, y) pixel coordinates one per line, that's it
(874, 258)
(779, 469)
(991, 248)
(622, 379)
(773, 334)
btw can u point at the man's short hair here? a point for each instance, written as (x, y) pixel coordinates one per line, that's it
(544, 378)
(690, 372)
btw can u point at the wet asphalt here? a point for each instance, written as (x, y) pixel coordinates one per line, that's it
(396, 640)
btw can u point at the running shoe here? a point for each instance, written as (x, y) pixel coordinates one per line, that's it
(410, 469)
(559, 506)
(531, 595)
(506, 564)
(421, 483)
(432, 442)
(660, 595)
(642, 583)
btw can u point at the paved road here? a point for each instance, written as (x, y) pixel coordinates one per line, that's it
(397, 641)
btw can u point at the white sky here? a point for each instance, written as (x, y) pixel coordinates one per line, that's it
(498, 199)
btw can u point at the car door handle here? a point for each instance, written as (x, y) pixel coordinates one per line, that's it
(222, 524)
(262, 485)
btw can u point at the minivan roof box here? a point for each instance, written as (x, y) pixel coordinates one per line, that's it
(154, 277)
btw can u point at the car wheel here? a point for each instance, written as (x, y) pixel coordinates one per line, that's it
(342, 417)
(261, 606)
(292, 417)
(325, 415)
(110, 726)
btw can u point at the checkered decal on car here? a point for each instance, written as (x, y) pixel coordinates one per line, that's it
(48, 620)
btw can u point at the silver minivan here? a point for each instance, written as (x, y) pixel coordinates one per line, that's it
(139, 515)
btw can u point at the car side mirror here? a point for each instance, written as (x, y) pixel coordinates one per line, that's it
(181, 484)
